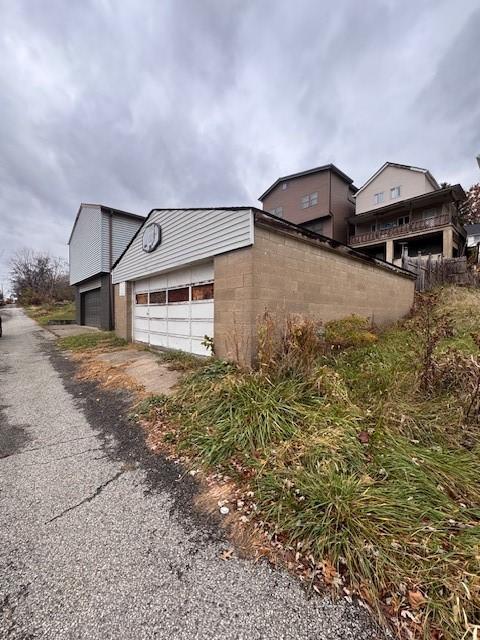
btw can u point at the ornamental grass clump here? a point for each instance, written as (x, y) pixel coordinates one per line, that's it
(364, 460)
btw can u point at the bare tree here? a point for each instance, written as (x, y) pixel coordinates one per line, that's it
(38, 277)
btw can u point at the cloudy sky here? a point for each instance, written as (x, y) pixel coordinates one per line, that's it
(152, 103)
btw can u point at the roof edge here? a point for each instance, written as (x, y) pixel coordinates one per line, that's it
(398, 166)
(103, 207)
(454, 188)
(333, 245)
(300, 174)
(242, 208)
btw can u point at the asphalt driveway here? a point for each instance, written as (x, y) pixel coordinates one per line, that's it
(99, 538)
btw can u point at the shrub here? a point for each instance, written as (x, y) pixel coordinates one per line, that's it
(292, 347)
(352, 331)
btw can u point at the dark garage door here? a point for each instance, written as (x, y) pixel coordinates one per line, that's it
(91, 308)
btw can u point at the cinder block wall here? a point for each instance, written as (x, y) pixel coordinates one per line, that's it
(286, 274)
(123, 312)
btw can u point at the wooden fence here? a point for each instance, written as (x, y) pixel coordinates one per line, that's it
(432, 272)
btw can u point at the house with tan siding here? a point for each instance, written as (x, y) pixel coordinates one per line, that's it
(401, 210)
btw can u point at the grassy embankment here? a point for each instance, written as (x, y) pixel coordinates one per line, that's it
(46, 313)
(364, 461)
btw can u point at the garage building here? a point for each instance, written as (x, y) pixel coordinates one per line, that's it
(99, 235)
(189, 274)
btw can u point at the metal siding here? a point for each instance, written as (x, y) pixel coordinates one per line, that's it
(123, 230)
(93, 284)
(187, 236)
(85, 245)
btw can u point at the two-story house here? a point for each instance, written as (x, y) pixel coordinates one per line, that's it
(403, 211)
(320, 199)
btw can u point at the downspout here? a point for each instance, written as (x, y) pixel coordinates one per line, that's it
(330, 202)
(110, 242)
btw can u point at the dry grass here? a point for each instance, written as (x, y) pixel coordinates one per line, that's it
(360, 478)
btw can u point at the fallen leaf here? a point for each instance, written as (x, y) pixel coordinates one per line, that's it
(226, 554)
(364, 437)
(416, 598)
(329, 571)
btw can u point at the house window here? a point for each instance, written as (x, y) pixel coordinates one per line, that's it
(284, 185)
(373, 226)
(141, 298)
(403, 220)
(278, 211)
(179, 295)
(387, 225)
(158, 297)
(394, 193)
(202, 291)
(309, 200)
(378, 197)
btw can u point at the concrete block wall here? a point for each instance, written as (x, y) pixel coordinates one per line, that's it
(287, 274)
(123, 312)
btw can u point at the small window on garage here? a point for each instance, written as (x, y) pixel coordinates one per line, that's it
(141, 298)
(158, 297)
(202, 291)
(178, 295)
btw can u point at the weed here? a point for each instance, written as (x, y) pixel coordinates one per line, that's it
(145, 407)
(181, 360)
(352, 331)
(352, 461)
(86, 341)
(290, 349)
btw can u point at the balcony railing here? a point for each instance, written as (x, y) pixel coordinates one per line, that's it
(402, 230)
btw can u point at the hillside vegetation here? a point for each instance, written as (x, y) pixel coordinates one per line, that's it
(361, 451)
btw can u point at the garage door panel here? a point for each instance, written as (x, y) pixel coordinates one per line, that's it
(176, 325)
(141, 312)
(178, 278)
(158, 325)
(179, 311)
(141, 324)
(198, 348)
(141, 336)
(158, 312)
(202, 310)
(179, 327)
(176, 342)
(202, 328)
(159, 339)
(91, 308)
(158, 282)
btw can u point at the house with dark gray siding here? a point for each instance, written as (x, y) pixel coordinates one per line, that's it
(99, 236)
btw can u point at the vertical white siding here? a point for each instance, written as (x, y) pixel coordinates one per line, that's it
(188, 235)
(85, 251)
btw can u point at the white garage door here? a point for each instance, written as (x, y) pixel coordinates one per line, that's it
(175, 310)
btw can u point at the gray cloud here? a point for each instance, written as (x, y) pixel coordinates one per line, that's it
(184, 103)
